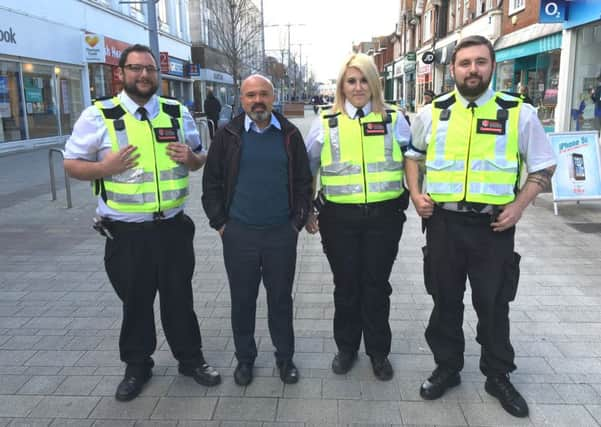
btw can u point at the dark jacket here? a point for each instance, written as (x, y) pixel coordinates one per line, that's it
(223, 162)
(212, 108)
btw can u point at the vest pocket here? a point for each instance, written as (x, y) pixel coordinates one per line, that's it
(511, 275)
(441, 165)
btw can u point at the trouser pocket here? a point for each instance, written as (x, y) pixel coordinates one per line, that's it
(428, 273)
(511, 274)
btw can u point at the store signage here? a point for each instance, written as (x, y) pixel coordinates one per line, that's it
(194, 70)
(93, 48)
(113, 50)
(101, 49)
(428, 57)
(164, 62)
(552, 11)
(176, 67)
(8, 36)
(411, 56)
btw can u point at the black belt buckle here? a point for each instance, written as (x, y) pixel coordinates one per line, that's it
(158, 216)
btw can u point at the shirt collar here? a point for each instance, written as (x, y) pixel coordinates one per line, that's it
(351, 110)
(483, 99)
(152, 106)
(249, 124)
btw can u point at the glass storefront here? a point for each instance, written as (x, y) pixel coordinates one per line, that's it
(587, 72)
(540, 75)
(12, 124)
(38, 100)
(104, 80)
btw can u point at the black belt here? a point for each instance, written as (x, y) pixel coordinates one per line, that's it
(366, 209)
(117, 226)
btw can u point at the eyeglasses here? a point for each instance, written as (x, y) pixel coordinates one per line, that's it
(138, 68)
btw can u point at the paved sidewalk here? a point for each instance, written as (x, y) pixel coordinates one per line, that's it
(59, 327)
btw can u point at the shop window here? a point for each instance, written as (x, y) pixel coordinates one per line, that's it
(585, 113)
(40, 106)
(70, 96)
(12, 123)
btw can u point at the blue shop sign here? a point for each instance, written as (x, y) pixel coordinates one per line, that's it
(176, 67)
(582, 12)
(552, 11)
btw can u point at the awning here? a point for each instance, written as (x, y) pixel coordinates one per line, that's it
(530, 40)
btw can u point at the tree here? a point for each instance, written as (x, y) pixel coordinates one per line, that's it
(237, 31)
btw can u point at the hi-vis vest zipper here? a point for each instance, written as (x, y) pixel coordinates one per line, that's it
(157, 183)
(367, 166)
(481, 165)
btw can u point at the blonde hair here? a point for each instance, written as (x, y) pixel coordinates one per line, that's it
(366, 65)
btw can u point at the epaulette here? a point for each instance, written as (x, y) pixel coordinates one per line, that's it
(444, 104)
(506, 103)
(169, 97)
(102, 98)
(329, 116)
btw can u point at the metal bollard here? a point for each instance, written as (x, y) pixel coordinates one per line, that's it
(53, 181)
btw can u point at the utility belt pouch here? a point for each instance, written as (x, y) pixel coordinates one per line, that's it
(99, 224)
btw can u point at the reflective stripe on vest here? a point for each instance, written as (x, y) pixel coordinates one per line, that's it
(157, 183)
(492, 172)
(374, 160)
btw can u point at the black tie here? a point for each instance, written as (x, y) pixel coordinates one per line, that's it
(143, 114)
(359, 113)
(472, 105)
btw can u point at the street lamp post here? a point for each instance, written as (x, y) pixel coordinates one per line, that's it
(153, 33)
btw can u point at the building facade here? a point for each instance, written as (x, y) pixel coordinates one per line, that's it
(60, 55)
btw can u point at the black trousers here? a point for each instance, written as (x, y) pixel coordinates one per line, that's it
(251, 254)
(361, 243)
(460, 246)
(141, 260)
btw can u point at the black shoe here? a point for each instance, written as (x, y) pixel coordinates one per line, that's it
(382, 368)
(130, 387)
(343, 362)
(288, 371)
(511, 400)
(243, 375)
(204, 374)
(440, 380)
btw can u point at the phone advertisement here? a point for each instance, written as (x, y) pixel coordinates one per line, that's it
(577, 175)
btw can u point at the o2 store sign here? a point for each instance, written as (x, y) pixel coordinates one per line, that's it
(552, 11)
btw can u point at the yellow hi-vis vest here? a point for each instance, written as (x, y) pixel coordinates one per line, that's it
(361, 161)
(473, 154)
(157, 183)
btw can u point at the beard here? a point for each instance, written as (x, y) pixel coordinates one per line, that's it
(132, 89)
(473, 91)
(259, 116)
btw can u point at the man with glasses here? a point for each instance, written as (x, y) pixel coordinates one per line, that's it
(137, 148)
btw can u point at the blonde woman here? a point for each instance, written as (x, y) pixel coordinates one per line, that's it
(357, 148)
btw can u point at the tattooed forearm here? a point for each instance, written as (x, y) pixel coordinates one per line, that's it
(541, 178)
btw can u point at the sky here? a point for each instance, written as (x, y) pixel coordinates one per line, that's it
(330, 27)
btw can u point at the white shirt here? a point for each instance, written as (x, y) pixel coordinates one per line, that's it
(90, 141)
(535, 149)
(315, 137)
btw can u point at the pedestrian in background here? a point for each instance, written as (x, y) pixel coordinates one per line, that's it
(212, 108)
(357, 148)
(257, 194)
(137, 148)
(473, 140)
(429, 95)
(596, 97)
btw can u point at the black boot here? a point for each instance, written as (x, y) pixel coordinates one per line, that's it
(441, 379)
(511, 400)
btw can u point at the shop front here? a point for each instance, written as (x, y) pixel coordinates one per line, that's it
(444, 80)
(176, 81)
(424, 80)
(534, 65)
(582, 51)
(41, 81)
(102, 54)
(409, 80)
(205, 79)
